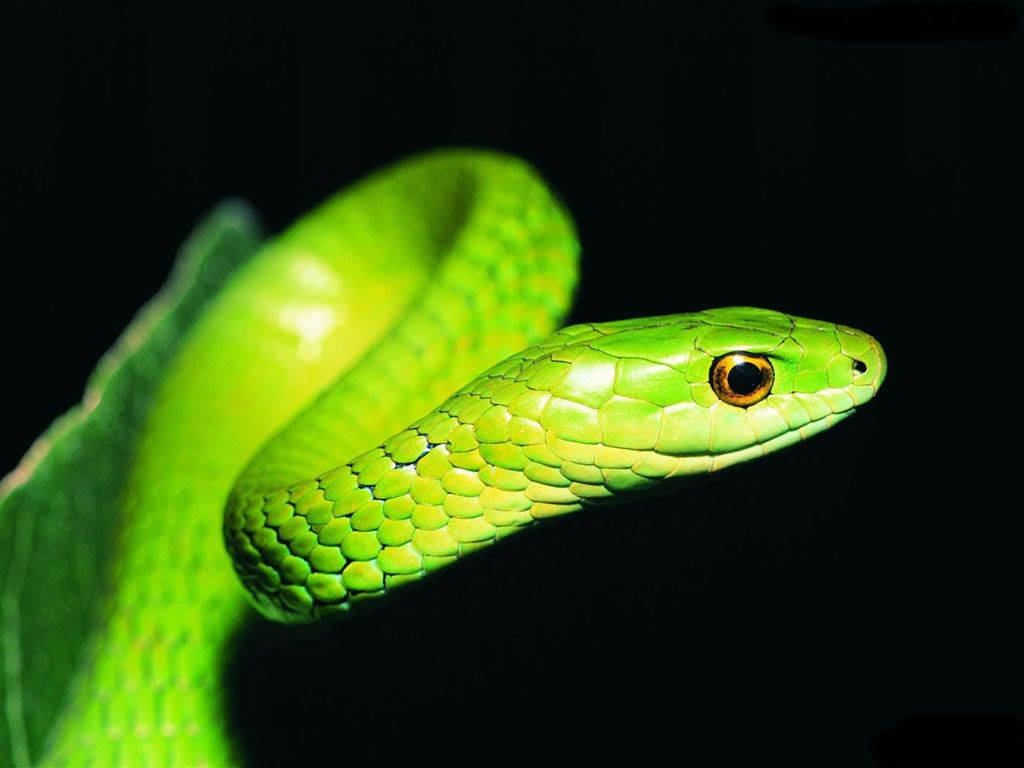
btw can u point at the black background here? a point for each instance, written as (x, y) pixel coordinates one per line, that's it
(850, 602)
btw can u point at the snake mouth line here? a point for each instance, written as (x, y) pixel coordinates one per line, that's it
(709, 463)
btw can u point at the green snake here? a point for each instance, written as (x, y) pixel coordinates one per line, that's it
(305, 418)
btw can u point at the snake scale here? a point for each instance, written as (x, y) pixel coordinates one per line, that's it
(306, 421)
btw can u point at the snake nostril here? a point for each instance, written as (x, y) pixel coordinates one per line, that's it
(860, 366)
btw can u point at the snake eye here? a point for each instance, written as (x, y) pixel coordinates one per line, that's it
(742, 379)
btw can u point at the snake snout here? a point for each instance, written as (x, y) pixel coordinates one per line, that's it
(866, 357)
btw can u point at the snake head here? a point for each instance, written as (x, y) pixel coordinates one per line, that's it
(691, 394)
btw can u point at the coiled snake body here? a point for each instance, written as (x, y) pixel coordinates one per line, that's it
(346, 332)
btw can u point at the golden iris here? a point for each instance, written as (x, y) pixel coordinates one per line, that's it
(742, 379)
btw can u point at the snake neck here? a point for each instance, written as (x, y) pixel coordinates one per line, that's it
(469, 474)
(414, 504)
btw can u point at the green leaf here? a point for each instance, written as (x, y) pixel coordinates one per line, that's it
(58, 507)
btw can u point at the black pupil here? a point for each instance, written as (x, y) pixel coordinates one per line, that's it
(745, 378)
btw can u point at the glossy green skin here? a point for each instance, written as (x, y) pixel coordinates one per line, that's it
(374, 308)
